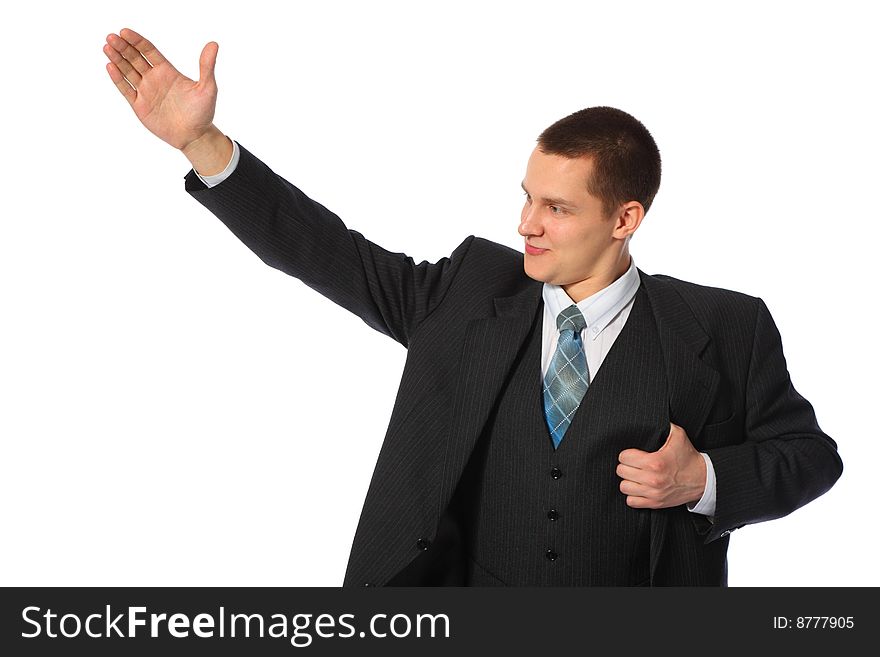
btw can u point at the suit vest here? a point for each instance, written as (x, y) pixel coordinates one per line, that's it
(532, 515)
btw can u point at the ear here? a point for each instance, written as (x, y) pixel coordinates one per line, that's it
(627, 219)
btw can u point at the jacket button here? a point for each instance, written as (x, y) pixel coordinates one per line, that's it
(422, 544)
(553, 514)
(551, 555)
(367, 584)
(556, 473)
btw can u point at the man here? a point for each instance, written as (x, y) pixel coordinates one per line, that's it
(563, 418)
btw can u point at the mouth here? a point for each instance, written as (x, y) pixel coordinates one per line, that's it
(531, 250)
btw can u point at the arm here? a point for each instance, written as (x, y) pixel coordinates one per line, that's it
(786, 460)
(775, 461)
(299, 236)
(276, 220)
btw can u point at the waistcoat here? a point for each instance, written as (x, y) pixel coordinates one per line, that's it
(532, 515)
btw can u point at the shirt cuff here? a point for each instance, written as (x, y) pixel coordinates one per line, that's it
(706, 505)
(216, 179)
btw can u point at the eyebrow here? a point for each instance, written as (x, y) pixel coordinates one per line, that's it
(549, 200)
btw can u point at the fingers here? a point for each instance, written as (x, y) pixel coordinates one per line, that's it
(635, 457)
(122, 65)
(144, 47)
(635, 489)
(638, 502)
(640, 496)
(634, 474)
(129, 52)
(121, 83)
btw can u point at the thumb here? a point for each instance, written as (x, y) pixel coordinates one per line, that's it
(668, 438)
(207, 60)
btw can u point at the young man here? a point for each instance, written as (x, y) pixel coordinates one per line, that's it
(563, 418)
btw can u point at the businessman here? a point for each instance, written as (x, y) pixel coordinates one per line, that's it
(563, 418)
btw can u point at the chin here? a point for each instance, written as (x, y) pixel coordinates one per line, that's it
(535, 273)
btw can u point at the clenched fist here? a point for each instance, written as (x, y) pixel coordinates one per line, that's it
(675, 474)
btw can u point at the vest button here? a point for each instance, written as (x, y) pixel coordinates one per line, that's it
(553, 514)
(551, 555)
(422, 544)
(556, 473)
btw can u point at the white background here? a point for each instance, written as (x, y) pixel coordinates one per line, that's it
(159, 385)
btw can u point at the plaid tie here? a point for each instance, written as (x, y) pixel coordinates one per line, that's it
(567, 377)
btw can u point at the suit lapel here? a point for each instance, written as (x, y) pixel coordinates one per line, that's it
(489, 350)
(692, 382)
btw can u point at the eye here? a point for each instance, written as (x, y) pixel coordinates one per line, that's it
(555, 209)
(528, 198)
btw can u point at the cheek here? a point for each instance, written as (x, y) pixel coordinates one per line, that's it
(580, 247)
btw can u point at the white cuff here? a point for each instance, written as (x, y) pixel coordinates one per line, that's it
(706, 505)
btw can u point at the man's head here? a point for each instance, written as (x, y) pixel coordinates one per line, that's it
(588, 184)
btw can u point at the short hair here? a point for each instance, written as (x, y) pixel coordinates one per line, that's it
(626, 160)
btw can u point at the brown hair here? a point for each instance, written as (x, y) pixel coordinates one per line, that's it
(626, 161)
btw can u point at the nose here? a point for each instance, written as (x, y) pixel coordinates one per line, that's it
(529, 223)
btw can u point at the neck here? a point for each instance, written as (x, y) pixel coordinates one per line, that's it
(602, 277)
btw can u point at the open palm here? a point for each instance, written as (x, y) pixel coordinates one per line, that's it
(173, 107)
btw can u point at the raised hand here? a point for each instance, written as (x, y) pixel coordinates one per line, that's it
(176, 109)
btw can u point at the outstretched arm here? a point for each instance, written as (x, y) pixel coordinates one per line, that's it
(297, 235)
(176, 109)
(284, 227)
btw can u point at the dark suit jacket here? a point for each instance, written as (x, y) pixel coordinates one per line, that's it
(464, 318)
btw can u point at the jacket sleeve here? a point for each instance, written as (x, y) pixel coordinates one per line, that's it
(786, 460)
(292, 233)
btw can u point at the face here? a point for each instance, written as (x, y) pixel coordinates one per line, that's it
(569, 240)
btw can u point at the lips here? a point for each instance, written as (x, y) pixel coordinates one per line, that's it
(531, 250)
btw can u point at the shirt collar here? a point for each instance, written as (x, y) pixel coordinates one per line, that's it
(598, 309)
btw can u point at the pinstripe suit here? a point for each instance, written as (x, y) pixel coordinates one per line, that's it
(463, 320)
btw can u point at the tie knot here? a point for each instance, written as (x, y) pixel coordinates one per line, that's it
(571, 319)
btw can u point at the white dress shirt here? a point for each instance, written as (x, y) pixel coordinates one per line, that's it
(605, 312)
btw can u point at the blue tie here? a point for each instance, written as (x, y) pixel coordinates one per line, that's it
(567, 377)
